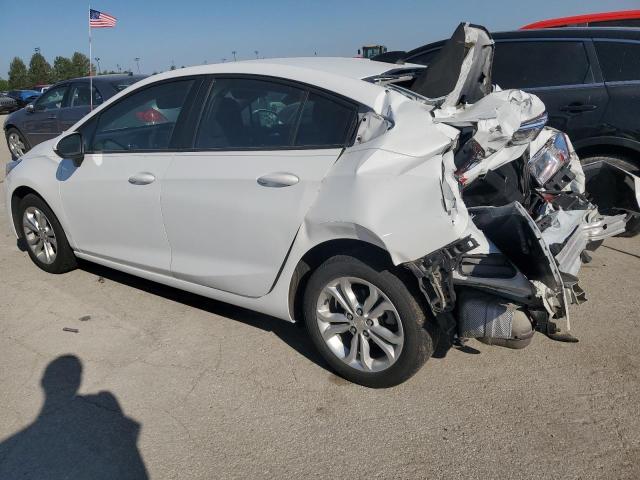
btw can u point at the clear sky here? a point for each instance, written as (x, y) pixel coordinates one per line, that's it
(190, 32)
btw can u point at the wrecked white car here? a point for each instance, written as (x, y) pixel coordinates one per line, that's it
(387, 209)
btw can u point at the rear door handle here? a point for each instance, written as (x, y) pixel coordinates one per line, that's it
(278, 180)
(578, 107)
(142, 178)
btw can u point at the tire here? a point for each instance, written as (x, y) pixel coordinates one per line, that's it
(407, 321)
(618, 161)
(14, 133)
(633, 225)
(44, 237)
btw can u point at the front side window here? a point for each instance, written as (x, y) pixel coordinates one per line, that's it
(620, 61)
(533, 64)
(246, 113)
(51, 99)
(144, 120)
(79, 95)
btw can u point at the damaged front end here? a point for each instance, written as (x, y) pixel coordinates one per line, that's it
(536, 213)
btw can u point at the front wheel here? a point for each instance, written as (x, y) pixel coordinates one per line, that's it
(45, 240)
(18, 146)
(366, 322)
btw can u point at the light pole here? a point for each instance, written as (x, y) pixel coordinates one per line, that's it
(256, 52)
(97, 59)
(224, 60)
(37, 49)
(119, 69)
(137, 59)
(234, 55)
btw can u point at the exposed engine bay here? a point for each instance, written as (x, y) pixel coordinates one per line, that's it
(536, 212)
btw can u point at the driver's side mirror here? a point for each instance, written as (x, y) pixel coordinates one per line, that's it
(71, 147)
(30, 108)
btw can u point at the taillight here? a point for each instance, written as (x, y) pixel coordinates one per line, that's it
(151, 116)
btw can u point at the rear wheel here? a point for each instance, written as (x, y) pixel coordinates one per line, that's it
(617, 160)
(366, 323)
(46, 242)
(633, 225)
(18, 146)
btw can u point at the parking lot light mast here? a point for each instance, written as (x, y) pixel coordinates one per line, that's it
(137, 60)
(234, 55)
(256, 52)
(97, 59)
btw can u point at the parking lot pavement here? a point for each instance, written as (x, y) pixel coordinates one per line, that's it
(177, 386)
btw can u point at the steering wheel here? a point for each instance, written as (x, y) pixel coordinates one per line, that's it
(275, 119)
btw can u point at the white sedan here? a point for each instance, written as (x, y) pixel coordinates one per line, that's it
(349, 194)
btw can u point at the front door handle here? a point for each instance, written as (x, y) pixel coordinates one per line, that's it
(142, 178)
(278, 180)
(578, 108)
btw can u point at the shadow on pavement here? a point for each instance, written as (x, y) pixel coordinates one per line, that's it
(74, 437)
(293, 335)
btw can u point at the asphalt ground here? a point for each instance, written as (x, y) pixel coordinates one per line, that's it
(163, 384)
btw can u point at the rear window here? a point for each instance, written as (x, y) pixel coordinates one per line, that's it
(540, 64)
(619, 61)
(122, 84)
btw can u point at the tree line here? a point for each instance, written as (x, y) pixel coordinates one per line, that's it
(41, 72)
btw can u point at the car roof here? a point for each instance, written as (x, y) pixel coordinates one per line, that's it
(337, 74)
(623, 33)
(106, 78)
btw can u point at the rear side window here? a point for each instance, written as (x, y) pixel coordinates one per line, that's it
(324, 122)
(247, 113)
(619, 61)
(79, 95)
(540, 64)
(143, 120)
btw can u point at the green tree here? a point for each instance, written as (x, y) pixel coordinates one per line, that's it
(18, 77)
(39, 70)
(4, 85)
(80, 64)
(62, 69)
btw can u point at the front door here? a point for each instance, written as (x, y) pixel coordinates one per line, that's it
(42, 122)
(233, 206)
(112, 200)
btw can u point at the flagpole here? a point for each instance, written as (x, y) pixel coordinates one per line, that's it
(90, 57)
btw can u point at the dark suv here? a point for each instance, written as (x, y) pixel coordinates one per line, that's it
(588, 78)
(58, 108)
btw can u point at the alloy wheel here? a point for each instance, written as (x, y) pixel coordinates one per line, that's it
(16, 145)
(40, 235)
(359, 324)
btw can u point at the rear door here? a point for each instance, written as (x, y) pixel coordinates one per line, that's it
(42, 123)
(620, 63)
(77, 104)
(233, 204)
(560, 72)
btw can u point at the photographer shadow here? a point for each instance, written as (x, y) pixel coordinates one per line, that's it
(74, 436)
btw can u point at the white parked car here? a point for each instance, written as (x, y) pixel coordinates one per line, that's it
(387, 209)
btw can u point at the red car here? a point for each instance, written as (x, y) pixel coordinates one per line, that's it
(623, 18)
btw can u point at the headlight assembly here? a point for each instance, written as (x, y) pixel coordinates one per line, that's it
(529, 130)
(549, 159)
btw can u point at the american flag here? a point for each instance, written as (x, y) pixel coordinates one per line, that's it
(100, 19)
